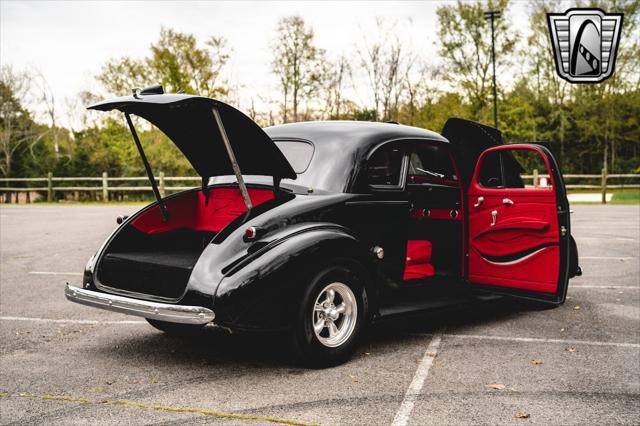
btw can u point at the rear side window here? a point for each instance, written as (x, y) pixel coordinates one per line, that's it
(384, 168)
(430, 163)
(297, 153)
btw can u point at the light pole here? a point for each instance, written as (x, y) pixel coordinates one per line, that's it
(492, 16)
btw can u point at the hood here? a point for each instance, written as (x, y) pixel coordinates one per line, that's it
(469, 139)
(189, 122)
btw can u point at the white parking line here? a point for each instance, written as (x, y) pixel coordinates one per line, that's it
(69, 321)
(612, 287)
(536, 340)
(410, 397)
(54, 273)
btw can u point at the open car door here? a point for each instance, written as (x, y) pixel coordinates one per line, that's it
(519, 235)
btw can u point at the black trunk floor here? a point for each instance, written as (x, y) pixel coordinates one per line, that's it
(184, 259)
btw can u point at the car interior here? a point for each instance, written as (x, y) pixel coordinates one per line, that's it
(432, 187)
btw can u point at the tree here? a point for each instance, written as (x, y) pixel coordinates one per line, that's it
(179, 64)
(175, 61)
(119, 76)
(47, 100)
(383, 62)
(420, 88)
(298, 63)
(336, 79)
(550, 92)
(17, 126)
(465, 40)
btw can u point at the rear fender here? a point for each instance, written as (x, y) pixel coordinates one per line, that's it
(263, 290)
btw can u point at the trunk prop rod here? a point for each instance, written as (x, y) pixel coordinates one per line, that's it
(147, 168)
(232, 158)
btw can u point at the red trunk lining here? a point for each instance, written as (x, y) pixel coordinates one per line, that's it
(189, 210)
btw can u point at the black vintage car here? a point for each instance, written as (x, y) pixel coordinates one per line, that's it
(317, 229)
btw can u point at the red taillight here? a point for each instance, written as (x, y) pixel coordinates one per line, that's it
(250, 233)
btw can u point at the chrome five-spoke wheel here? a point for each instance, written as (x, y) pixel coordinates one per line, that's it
(334, 315)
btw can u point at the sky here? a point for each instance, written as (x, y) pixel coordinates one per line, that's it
(69, 41)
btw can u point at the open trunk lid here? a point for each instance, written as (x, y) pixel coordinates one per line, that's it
(190, 123)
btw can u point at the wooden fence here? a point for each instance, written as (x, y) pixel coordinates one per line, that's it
(107, 186)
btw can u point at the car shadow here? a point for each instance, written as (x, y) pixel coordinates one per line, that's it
(216, 346)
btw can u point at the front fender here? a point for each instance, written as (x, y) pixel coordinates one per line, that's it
(263, 291)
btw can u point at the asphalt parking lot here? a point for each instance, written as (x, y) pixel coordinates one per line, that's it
(62, 363)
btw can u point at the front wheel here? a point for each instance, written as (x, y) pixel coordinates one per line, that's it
(332, 314)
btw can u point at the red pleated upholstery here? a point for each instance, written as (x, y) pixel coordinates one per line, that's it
(418, 260)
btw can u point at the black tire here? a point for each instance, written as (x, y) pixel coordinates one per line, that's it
(306, 346)
(174, 329)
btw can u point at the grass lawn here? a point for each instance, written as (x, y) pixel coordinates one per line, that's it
(626, 197)
(620, 196)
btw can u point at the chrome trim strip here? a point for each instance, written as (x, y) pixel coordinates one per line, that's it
(513, 262)
(142, 308)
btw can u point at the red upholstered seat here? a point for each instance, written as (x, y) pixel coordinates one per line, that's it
(418, 260)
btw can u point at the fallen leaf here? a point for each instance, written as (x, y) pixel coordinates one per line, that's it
(536, 361)
(522, 415)
(571, 350)
(98, 389)
(109, 382)
(495, 386)
(353, 378)
(577, 307)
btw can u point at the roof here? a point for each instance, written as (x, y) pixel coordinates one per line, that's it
(360, 134)
(341, 147)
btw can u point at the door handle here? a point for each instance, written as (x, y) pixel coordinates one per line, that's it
(507, 202)
(494, 217)
(479, 202)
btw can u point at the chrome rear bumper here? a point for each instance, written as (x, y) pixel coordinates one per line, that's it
(142, 308)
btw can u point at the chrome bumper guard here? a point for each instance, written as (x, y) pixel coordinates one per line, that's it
(142, 308)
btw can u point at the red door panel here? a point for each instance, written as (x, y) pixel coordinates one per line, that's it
(513, 236)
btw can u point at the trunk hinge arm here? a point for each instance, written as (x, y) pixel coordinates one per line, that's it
(276, 185)
(232, 158)
(147, 168)
(205, 190)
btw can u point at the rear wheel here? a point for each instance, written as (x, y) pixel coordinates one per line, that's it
(175, 329)
(332, 314)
